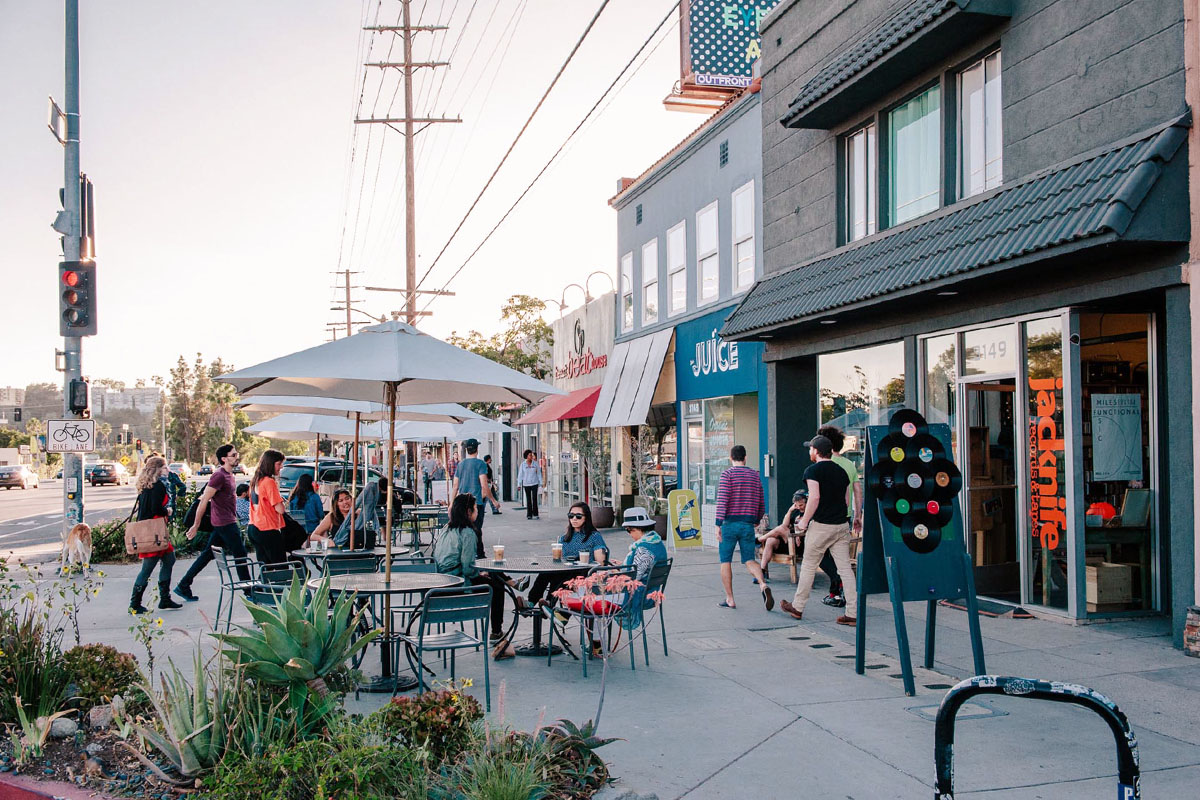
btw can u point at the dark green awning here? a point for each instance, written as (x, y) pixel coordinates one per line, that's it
(899, 48)
(1095, 196)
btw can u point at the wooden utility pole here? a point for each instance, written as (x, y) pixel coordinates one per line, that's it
(407, 68)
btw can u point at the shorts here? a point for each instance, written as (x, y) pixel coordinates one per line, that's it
(736, 534)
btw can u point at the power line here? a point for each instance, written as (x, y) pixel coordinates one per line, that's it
(520, 133)
(561, 147)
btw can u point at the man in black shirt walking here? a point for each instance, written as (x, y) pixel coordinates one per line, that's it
(825, 527)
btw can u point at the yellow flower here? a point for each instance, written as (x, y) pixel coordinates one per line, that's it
(467, 683)
(95, 592)
(100, 573)
(158, 622)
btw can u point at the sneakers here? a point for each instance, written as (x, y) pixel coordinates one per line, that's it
(768, 598)
(185, 594)
(790, 609)
(522, 584)
(168, 603)
(850, 621)
(834, 600)
(138, 608)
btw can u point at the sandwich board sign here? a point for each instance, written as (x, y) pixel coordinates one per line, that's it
(70, 435)
(913, 545)
(685, 518)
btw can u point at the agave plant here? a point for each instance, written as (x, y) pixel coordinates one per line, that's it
(192, 738)
(299, 640)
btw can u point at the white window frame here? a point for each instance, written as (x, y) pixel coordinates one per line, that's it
(650, 282)
(713, 252)
(625, 312)
(743, 240)
(981, 131)
(677, 268)
(864, 165)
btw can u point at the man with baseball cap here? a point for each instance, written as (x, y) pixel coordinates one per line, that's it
(471, 478)
(826, 529)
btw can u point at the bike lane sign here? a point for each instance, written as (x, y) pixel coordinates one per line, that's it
(70, 435)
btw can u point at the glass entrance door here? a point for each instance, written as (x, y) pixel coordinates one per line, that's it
(989, 417)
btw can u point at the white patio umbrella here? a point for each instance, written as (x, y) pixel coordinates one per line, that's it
(357, 410)
(395, 364)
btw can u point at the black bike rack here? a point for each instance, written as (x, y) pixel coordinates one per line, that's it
(1128, 772)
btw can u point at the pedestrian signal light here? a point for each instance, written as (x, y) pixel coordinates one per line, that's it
(77, 396)
(77, 298)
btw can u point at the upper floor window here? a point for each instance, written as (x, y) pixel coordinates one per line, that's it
(627, 292)
(650, 281)
(743, 237)
(914, 157)
(980, 140)
(861, 184)
(707, 255)
(677, 269)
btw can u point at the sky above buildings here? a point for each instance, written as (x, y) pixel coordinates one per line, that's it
(219, 138)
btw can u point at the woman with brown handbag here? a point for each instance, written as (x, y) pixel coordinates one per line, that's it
(154, 501)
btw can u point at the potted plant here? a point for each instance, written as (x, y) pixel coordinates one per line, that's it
(595, 451)
(647, 473)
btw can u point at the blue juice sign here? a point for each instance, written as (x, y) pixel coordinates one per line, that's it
(708, 366)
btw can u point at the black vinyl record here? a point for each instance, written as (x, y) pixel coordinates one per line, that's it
(919, 536)
(924, 448)
(881, 480)
(945, 481)
(907, 423)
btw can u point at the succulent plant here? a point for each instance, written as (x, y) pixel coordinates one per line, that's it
(192, 738)
(300, 640)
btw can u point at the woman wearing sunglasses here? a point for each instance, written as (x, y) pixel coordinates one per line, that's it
(581, 537)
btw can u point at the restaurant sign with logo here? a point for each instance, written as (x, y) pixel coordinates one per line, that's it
(708, 366)
(580, 360)
(722, 40)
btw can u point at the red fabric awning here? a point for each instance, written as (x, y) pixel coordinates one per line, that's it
(579, 403)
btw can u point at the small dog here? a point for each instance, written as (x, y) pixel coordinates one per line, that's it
(78, 547)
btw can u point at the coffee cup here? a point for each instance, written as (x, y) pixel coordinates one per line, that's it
(556, 551)
(585, 557)
(498, 552)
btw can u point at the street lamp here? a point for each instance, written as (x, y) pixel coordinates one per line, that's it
(586, 297)
(586, 281)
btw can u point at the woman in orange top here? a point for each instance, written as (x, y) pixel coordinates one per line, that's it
(266, 510)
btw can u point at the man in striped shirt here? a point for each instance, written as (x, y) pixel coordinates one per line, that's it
(739, 508)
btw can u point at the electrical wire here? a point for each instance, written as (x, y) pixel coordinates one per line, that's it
(560, 149)
(520, 133)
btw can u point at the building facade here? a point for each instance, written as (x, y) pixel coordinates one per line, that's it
(689, 244)
(11, 396)
(979, 209)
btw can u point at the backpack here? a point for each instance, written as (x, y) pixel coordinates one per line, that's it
(189, 519)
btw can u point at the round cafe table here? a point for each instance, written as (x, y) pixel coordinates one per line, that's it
(317, 557)
(532, 565)
(376, 584)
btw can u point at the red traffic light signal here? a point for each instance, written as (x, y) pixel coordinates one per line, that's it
(77, 298)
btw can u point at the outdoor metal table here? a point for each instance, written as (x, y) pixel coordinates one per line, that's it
(316, 557)
(377, 584)
(420, 514)
(533, 566)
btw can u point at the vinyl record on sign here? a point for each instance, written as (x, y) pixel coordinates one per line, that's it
(946, 480)
(893, 514)
(881, 478)
(924, 448)
(915, 482)
(907, 423)
(920, 536)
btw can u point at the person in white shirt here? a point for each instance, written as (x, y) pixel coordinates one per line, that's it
(529, 478)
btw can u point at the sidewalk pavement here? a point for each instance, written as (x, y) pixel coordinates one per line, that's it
(756, 704)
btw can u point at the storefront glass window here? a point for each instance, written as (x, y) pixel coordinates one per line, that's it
(718, 439)
(941, 375)
(860, 388)
(1047, 463)
(695, 455)
(990, 351)
(1119, 501)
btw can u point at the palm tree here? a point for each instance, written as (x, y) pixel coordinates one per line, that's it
(105, 430)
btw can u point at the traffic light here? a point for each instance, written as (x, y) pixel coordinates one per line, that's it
(139, 445)
(16, 415)
(77, 298)
(78, 396)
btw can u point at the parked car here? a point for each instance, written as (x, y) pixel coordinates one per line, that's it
(18, 475)
(109, 472)
(205, 469)
(290, 473)
(181, 469)
(239, 470)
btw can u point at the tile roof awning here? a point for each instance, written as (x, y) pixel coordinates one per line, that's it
(908, 42)
(1089, 201)
(574, 405)
(631, 380)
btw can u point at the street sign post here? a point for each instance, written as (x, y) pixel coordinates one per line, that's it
(70, 436)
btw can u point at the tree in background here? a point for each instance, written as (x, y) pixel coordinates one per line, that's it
(523, 342)
(199, 412)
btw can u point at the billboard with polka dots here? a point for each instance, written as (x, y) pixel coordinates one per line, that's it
(722, 40)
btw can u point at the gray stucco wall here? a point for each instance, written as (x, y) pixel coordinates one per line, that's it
(1076, 77)
(687, 181)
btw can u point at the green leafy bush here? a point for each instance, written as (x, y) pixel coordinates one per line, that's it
(343, 767)
(31, 637)
(440, 723)
(99, 672)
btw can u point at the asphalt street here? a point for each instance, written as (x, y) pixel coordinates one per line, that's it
(31, 520)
